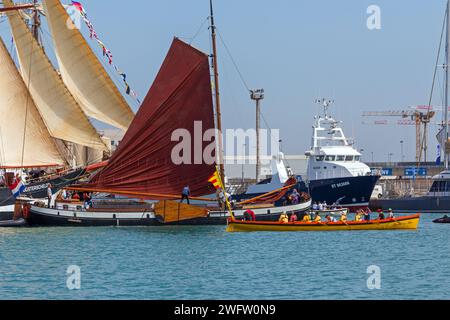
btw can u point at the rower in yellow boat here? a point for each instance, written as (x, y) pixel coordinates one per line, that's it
(306, 218)
(284, 218)
(317, 219)
(344, 217)
(358, 217)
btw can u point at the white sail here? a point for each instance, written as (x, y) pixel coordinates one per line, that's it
(24, 139)
(62, 115)
(82, 71)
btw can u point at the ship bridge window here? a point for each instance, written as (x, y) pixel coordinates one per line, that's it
(340, 158)
(330, 158)
(440, 186)
(349, 158)
(358, 158)
(320, 158)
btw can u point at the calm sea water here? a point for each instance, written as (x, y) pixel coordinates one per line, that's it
(207, 263)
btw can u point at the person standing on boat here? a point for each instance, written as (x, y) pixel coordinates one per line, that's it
(49, 194)
(185, 194)
(295, 197)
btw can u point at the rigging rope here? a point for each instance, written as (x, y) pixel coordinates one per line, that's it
(233, 61)
(198, 31)
(423, 142)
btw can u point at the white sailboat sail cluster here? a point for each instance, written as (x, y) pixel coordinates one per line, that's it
(57, 104)
(19, 117)
(83, 73)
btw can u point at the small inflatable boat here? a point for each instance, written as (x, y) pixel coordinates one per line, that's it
(12, 223)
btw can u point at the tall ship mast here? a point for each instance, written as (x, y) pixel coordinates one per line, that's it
(438, 197)
(50, 114)
(214, 58)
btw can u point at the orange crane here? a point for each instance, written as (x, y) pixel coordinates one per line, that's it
(416, 116)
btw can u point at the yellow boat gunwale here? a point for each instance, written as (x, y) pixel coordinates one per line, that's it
(402, 223)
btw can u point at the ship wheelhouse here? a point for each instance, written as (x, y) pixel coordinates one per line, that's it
(331, 154)
(441, 185)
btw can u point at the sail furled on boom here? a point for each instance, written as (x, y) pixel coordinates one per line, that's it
(61, 113)
(24, 138)
(82, 71)
(179, 99)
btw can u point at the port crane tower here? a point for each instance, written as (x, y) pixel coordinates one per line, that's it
(420, 116)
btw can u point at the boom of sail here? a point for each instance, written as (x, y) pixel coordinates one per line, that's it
(59, 110)
(24, 138)
(82, 71)
(180, 100)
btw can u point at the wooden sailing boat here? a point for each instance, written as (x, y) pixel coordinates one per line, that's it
(46, 112)
(177, 111)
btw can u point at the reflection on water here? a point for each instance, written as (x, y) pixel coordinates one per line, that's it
(188, 262)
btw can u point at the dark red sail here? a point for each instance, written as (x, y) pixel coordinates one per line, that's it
(180, 96)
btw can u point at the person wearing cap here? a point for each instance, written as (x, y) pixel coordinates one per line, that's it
(391, 214)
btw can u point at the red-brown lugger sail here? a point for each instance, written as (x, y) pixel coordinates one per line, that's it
(180, 96)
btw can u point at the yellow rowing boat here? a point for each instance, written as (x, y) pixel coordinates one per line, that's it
(401, 223)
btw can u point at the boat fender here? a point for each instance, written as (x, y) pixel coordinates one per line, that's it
(26, 211)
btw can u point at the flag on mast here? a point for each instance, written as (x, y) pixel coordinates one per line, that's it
(438, 160)
(217, 182)
(17, 187)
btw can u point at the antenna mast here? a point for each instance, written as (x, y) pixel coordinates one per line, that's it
(257, 96)
(217, 93)
(326, 104)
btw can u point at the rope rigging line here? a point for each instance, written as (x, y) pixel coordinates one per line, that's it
(191, 40)
(422, 143)
(233, 61)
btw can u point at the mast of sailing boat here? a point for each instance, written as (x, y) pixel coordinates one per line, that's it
(220, 157)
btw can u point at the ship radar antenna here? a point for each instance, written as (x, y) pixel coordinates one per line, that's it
(326, 104)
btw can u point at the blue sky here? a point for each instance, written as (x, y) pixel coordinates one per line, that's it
(297, 51)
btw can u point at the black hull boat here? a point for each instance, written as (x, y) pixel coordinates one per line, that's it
(425, 204)
(352, 193)
(445, 219)
(38, 190)
(73, 215)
